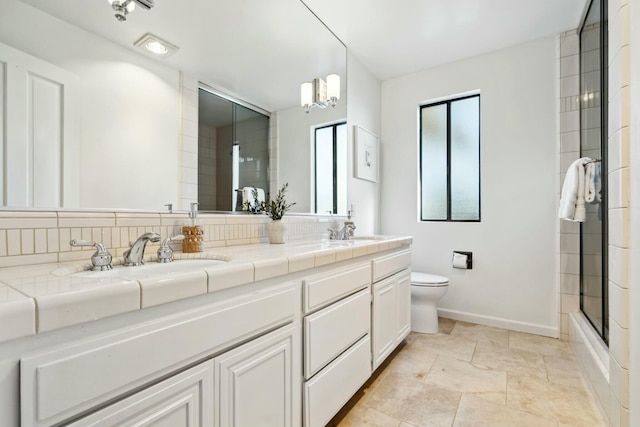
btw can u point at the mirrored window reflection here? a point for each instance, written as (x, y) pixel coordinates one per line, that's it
(450, 160)
(330, 154)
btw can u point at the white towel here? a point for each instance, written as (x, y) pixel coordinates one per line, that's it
(247, 195)
(590, 182)
(573, 192)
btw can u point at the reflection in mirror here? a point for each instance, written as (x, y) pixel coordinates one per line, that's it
(136, 116)
(233, 152)
(331, 169)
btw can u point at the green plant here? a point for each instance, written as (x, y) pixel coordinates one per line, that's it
(257, 207)
(277, 208)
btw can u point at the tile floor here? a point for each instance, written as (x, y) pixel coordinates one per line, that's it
(474, 375)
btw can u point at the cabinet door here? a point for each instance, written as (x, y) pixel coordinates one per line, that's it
(385, 323)
(403, 285)
(184, 400)
(259, 383)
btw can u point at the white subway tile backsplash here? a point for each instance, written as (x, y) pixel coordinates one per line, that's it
(27, 237)
(3, 243)
(40, 240)
(14, 242)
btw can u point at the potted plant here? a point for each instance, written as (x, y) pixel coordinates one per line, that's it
(276, 210)
(256, 206)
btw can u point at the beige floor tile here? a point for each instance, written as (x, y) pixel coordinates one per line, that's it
(418, 403)
(472, 331)
(555, 401)
(564, 371)
(517, 362)
(475, 412)
(464, 377)
(361, 416)
(539, 344)
(499, 398)
(414, 361)
(459, 348)
(445, 325)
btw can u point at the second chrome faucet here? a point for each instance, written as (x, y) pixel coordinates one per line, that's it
(135, 254)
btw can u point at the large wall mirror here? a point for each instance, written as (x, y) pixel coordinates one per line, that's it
(121, 129)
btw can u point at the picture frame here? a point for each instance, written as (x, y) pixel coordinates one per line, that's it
(365, 154)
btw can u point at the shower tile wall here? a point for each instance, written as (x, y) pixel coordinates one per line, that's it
(614, 402)
(569, 152)
(619, 202)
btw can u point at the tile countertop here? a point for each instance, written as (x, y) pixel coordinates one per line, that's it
(45, 297)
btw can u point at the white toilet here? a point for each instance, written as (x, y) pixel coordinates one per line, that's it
(426, 290)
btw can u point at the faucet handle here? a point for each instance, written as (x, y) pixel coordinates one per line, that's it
(165, 253)
(101, 259)
(333, 233)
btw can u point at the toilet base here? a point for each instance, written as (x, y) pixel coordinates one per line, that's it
(424, 319)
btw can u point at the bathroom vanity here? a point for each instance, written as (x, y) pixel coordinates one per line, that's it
(281, 336)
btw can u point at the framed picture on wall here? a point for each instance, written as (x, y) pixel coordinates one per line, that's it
(365, 154)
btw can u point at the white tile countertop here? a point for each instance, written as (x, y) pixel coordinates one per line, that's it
(45, 297)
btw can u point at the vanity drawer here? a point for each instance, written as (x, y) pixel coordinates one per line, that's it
(324, 289)
(332, 330)
(328, 391)
(390, 264)
(59, 384)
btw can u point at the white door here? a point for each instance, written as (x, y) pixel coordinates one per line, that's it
(184, 400)
(384, 327)
(259, 383)
(403, 285)
(39, 131)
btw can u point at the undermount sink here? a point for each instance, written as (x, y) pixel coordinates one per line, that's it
(152, 269)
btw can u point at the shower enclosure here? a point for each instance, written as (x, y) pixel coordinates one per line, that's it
(593, 144)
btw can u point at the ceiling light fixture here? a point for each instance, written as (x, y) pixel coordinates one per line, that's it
(319, 93)
(123, 7)
(155, 45)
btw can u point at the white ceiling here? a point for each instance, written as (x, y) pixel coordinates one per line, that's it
(397, 37)
(261, 50)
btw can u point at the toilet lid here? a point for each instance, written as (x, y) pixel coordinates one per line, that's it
(425, 279)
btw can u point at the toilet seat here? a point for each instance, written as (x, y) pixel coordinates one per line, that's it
(428, 280)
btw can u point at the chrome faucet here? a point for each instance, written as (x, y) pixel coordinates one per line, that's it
(101, 259)
(165, 253)
(343, 234)
(133, 256)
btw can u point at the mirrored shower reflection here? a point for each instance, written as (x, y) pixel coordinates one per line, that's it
(233, 152)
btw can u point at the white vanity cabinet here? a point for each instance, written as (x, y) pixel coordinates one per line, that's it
(337, 351)
(61, 384)
(391, 312)
(258, 383)
(183, 400)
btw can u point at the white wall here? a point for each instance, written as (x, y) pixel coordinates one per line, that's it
(129, 110)
(513, 281)
(363, 109)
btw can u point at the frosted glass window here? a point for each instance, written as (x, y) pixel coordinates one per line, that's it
(434, 162)
(331, 169)
(450, 160)
(465, 155)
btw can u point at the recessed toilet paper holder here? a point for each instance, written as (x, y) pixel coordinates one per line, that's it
(463, 260)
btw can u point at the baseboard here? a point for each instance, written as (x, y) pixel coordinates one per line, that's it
(497, 322)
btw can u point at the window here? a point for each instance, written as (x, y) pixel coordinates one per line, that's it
(330, 154)
(450, 160)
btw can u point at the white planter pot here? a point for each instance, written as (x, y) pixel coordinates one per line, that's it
(275, 230)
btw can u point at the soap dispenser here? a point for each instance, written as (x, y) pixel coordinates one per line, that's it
(193, 233)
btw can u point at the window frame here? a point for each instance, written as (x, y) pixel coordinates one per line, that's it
(448, 102)
(334, 127)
